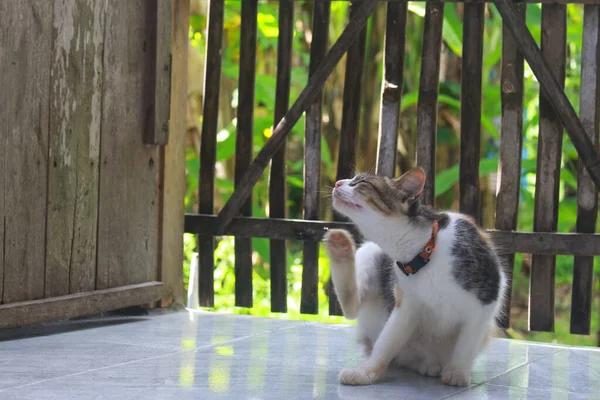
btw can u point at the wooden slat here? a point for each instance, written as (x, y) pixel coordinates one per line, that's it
(158, 22)
(312, 162)
(4, 30)
(550, 85)
(3, 48)
(315, 83)
(511, 144)
(541, 302)
(277, 187)
(587, 196)
(208, 147)
(293, 229)
(243, 145)
(427, 110)
(80, 304)
(391, 90)
(128, 200)
(355, 62)
(25, 54)
(470, 109)
(75, 115)
(173, 180)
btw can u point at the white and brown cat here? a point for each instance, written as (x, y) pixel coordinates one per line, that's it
(426, 287)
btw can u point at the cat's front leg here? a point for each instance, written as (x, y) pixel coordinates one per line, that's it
(468, 345)
(341, 249)
(395, 334)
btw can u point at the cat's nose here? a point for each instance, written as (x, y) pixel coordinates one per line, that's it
(338, 184)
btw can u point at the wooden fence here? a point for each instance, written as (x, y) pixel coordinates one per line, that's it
(556, 113)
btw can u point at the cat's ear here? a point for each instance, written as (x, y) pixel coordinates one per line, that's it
(411, 184)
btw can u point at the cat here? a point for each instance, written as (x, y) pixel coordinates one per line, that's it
(426, 287)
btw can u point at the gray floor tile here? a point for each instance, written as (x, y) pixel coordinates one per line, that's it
(494, 392)
(569, 370)
(504, 355)
(25, 361)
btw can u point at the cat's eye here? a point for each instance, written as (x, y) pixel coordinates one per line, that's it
(356, 181)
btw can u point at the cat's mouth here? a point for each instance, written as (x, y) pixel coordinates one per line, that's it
(345, 201)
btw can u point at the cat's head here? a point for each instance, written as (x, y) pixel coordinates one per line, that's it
(368, 198)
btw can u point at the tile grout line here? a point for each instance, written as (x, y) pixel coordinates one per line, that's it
(561, 391)
(503, 373)
(196, 349)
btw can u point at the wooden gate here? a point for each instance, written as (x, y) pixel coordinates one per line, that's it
(84, 115)
(556, 112)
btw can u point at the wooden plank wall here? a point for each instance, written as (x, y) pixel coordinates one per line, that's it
(79, 189)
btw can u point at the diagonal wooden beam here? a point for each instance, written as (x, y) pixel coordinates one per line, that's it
(314, 87)
(515, 23)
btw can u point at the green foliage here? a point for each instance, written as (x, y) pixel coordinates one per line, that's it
(448, 140)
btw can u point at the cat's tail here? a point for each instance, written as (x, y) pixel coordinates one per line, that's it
(341, 250)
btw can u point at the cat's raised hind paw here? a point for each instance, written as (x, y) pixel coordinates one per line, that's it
(358, 376)
(455, 376)
(339, 245)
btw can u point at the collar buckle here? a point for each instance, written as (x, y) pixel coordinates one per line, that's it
(421, 259)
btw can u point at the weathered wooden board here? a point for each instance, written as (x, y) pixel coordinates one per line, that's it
(309, 301)
(3, 110)
(208, 147)
(470, 110)
(427, 111)
(587, 195)
(173, 176)
(80, 304)
(277, 186)
(391, 90)
(158, 23)
(128, 226)
(25, 48)
(244, 145)
(541, 301)
(74, 141)
(511, 144)
(292, 229)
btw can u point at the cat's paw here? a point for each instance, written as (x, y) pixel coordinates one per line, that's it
(455, 376)
(358, 376)
(431, 368)
(339, 245)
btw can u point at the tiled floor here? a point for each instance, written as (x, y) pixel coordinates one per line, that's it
(176, 355)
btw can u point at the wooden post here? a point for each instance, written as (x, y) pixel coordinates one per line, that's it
(173, 170)
(511, 145)
(427, 109)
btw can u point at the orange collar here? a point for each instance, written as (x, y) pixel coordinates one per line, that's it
(421, 259)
